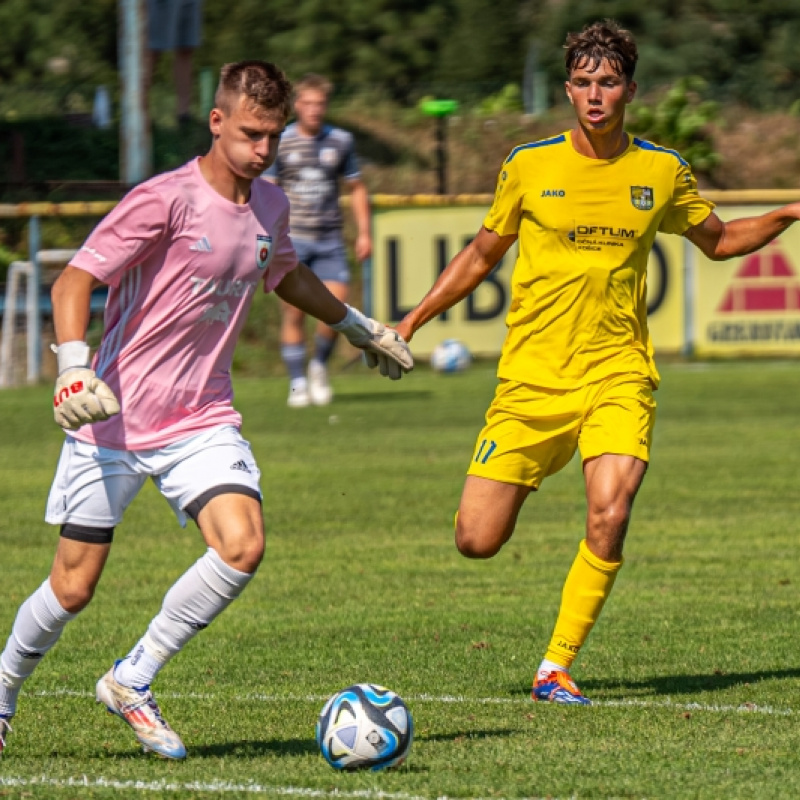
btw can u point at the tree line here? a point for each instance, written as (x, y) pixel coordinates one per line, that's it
(746, 50)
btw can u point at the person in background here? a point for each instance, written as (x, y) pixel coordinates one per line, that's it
(176, 25)
(313, 159)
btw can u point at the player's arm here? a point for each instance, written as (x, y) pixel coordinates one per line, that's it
(301, 288)
(71, 295)
(383, 347)
(720, 240)
(466, 270)
(80, 397)
(359, 198)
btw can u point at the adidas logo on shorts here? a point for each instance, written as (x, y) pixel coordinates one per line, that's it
(240, 465)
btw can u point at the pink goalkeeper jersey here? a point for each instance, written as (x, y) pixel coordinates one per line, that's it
(182, 264)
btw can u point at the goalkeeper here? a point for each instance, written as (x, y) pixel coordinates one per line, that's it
(577, 368)
(183, 255)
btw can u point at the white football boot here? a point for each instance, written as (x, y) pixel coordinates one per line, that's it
(299, 396)
(319, 387)
(139, 709)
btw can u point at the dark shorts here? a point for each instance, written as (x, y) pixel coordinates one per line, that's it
(174, 24)
(326, 258)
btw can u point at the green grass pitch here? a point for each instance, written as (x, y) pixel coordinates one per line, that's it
(694, 667)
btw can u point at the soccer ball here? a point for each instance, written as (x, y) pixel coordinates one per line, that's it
(364, 727)
(450, 356)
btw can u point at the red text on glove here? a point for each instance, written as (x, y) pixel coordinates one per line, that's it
(74, 388)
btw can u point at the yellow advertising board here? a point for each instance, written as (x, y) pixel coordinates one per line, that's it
(413, 244)
(749, 305)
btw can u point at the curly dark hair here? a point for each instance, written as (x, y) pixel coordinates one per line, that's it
(264, 84)
(598, 41)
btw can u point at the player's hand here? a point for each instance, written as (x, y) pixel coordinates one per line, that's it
(383, 347)
(80, 397)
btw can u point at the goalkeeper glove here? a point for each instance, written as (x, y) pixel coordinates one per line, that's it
(383, 347)
(80, 396)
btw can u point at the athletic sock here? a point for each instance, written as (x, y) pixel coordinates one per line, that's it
(546, 667)
(323, 348)
(588, 584)
(38, 624)
(206, 589)
(294, 356)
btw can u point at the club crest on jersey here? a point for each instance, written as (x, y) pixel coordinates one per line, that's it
(642, 197)
(328, 156)
(263, 250)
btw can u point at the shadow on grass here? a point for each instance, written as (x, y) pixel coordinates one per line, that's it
(459, 736)
(304, 747)
(714, 681)
(670, 685)
(250, 749)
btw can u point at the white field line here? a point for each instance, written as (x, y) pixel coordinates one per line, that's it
(255, 697)
(217, 787)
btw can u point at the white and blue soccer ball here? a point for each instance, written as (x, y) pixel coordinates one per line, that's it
(449, 356)
(364, 726)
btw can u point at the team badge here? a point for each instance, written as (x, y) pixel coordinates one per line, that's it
(263, 250)
(328, 156)
(642, 197)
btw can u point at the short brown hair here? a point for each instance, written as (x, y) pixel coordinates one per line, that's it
(262, 83)
(313, 81)
(598, 41)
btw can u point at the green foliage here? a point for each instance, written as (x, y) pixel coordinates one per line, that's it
(6, 258)
(692, 665)
(746, 51)
(509, 98)
(679, 120)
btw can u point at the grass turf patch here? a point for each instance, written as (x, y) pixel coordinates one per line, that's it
(693, 666)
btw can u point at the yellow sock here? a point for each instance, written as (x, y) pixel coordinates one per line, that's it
(588, 584)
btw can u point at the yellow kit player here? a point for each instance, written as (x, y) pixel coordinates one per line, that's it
(577, 368)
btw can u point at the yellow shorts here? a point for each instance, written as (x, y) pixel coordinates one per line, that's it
(532, 432)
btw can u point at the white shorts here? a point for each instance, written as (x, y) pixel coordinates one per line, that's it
(94, 485)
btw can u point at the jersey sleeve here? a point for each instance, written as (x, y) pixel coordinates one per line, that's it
(687, 208)
(285, 258)
(506, 212)
(125, 236)
(350, 169)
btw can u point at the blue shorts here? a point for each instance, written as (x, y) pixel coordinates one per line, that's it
(174, 24)
(326, 258)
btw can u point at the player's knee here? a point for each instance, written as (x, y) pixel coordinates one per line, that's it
(611, 519)
(244, 552)
(474, 542)
(74, 595)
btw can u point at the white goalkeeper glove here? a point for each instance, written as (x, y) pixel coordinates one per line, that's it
(383, 347)
(80, 396)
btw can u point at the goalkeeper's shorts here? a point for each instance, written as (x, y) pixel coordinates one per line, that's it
(532, 432)
(94, 485)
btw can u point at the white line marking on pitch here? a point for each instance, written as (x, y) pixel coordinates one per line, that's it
(743, 708)
(218, 787)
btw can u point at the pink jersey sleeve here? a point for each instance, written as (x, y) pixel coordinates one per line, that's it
(125, 237)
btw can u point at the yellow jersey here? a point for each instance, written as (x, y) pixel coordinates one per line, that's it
(578, 310)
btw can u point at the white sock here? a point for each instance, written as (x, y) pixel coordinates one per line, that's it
(36, 629)
(546, 667)
(206, 589)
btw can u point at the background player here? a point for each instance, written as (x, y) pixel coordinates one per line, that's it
(175, 25)
(313, 158)
(577, 369)
(183, 255)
